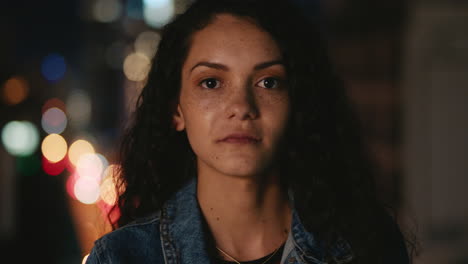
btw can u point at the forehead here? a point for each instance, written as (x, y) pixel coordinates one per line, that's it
(233, 37)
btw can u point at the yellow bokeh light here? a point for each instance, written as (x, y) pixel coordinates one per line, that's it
(108, 185)
(108, 193)
(79, 148)
(15, 90)
(136, 66)
(147, 43)
(107, 11)
(54, 148)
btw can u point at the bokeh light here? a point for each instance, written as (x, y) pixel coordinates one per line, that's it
(108, 185)
(108, 192)
(20, 138)
(147, 43)
(54, 121)
(156, 3)
(54, 148)
(157, 13)
(15, 90)
(77, 149)
(53, 168)
(79, 108)
(53, 67)
(86, 189)
(70, 185)
(54, 102)
(107, 11)
(90, 165)
(136, 67)
(104, 161)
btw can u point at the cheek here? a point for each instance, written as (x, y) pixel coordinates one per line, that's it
(199, 114)
(199, 119)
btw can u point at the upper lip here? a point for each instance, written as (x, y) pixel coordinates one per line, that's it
(241, 135)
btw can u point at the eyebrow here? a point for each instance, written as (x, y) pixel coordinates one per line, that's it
(223, 67)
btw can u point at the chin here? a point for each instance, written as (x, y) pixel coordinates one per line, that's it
(241, 168)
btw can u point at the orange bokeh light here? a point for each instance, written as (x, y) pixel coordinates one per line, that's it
(15, 90)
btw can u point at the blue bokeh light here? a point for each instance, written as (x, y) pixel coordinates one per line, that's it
(53, 67)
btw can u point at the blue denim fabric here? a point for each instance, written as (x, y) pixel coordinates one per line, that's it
(175, 235)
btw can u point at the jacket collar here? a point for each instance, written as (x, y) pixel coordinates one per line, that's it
(311, 250)
(181, 228)
(183, 237)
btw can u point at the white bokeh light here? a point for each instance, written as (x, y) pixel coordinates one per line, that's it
(158, 13)
(20, 138)
(86, 190)
(90, 165)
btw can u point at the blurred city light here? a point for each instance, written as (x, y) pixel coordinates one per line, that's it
(108, 192)
(20, 138)
(108, 185)
(90, 165)
(77, 149)
(86, 189)
(53, 168)
(54, 148)
(79, 108)
(15, 90)
(147, 43)
(53, 67)
(54, 102)
(54, 121)
(136, 67)
(107, 11)
(157, 13)
(70, 185)
(104, 162)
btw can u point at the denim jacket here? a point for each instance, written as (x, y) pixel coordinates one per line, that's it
(175, 235)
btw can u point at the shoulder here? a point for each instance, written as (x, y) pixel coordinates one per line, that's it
(136, 242)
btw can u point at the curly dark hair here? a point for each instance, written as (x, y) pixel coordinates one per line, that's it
(323, 162)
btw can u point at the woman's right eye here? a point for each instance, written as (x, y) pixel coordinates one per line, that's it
(210, 83)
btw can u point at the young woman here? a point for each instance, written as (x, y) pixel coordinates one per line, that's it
(244, 150)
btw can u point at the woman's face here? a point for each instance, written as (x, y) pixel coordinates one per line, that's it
(234, 102)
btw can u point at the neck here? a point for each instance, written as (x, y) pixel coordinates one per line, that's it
(248, 218)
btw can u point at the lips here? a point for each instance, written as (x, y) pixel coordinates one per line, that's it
(240, 138)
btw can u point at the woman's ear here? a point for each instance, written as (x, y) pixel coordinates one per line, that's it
(178, 121)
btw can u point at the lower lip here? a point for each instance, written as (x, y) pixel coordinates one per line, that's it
(240, 140)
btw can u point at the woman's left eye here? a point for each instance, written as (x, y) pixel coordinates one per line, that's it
(269, 83)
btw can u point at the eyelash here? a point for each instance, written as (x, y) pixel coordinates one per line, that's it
(277, 80)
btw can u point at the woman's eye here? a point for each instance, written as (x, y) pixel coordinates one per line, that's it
(269, 83)
(210, 83)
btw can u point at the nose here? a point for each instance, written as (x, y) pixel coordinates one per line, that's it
(241, 104)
